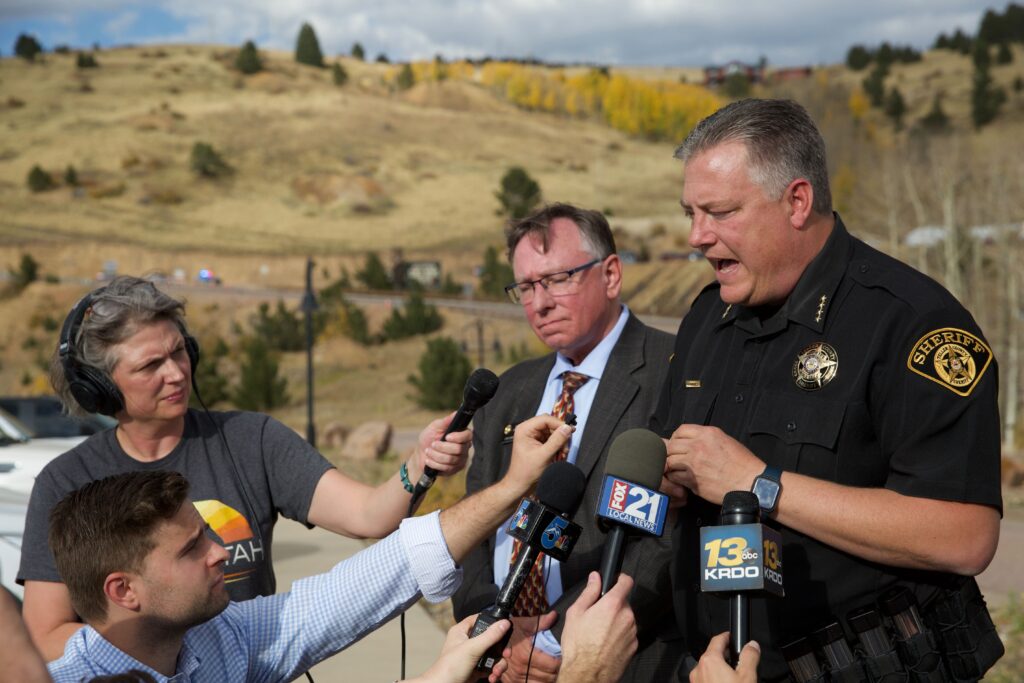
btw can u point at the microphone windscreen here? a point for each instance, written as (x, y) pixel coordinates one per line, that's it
(740, 507)
(561, 487)
(637, 455)
(480, 388)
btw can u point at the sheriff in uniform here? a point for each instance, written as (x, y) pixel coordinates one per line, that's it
(853, 394)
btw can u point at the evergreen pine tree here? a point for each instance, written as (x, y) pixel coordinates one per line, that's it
(307, 47)
(207, 162)
(494, 275)
(260, 387)
(209, 382)
(895, 107)
(71, 176)
(858, 57)
(936, 120)
(519, 193)
(85, 60)
(27, 47)
(248, 59)
(39, 180)
(406, 78)
(358, 52)
(444, 370)
(373, 274)
(1004, 55)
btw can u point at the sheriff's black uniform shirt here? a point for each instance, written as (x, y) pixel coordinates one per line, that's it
(870, 375)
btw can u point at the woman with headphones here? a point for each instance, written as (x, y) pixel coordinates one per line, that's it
(125, 351)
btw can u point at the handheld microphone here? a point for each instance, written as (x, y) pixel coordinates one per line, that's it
(630, 501)
(543, 526)
(737, 556)
(480, 388)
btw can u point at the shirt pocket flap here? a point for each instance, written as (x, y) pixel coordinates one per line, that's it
(799, 419)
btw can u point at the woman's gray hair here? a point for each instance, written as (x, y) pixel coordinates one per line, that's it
(782, 143)
(115, 313)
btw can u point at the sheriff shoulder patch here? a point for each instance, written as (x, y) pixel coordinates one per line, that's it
(951, 357)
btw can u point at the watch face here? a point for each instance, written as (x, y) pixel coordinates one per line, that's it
(767, 491)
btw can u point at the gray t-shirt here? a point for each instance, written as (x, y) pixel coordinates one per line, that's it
(278, 470)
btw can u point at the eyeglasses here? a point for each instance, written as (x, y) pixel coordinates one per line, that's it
(555, 284)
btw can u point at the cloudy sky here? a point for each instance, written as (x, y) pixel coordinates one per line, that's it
(650, 32)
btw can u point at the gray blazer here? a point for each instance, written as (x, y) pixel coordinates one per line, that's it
(626, 398)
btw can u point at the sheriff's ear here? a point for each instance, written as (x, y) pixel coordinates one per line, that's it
(800, 197)
(119, 589)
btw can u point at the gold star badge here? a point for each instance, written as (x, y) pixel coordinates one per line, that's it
(816, 366)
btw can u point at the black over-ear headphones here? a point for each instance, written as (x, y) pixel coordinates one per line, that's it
(90, 386)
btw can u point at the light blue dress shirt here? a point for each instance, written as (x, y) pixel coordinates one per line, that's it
(276, 638)
(593, 367)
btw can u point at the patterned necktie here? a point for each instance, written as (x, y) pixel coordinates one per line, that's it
(533, 599)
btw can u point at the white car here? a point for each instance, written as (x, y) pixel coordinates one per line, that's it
(13, 509)
(23, 457)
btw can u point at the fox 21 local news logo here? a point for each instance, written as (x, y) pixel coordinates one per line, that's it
(637, 506)
(740, 557)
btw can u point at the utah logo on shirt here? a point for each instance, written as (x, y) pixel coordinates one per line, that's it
(235, 535)
(951, 357)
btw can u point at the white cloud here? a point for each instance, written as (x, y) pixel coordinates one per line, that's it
(686, 32)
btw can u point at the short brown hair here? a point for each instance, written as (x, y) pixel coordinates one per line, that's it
(107, 526)
(593, 226)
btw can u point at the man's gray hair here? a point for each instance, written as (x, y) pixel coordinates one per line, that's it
(115, 313)
(595, 234)
(782, 143)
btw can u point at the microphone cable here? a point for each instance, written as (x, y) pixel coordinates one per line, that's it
(238, 479)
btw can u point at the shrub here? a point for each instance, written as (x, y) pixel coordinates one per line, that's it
(39, 180)
(26, 273)
(373, 274)
(519, 193)
(27, 47)
(307, 47)
(444, 370)
(71, 176)
(207, 162)
(339, 74)
(382, 58)
(259, 385)
(358, 52)
(416, 317)
(85, 60)
(248, 59)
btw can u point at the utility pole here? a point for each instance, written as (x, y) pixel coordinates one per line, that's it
(308, 307)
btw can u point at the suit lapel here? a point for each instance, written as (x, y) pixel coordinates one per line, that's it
(523, 400)
(616, 391)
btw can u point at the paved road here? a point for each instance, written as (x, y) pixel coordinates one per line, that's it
(301, 552)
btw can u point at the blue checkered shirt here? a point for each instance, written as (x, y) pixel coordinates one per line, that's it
(278, 637)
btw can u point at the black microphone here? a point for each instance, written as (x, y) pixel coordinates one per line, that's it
(630, 501)
(543, 526)
(737, 556)
(480, 388)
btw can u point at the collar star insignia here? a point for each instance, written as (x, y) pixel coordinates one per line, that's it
(821, 309)
(816, 366)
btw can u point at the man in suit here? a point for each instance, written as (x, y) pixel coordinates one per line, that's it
(568, 279)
